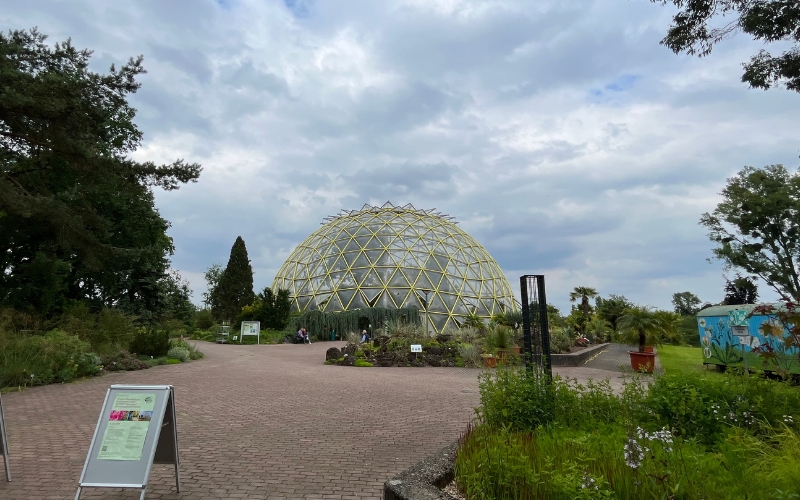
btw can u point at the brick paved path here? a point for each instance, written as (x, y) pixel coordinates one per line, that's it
(255, 422)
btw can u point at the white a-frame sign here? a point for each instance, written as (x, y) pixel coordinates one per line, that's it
(4, 442)
(136, 429)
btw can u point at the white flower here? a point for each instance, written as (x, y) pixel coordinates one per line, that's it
(788, 419)
(702, 322)
(755, 344)
(706, 352)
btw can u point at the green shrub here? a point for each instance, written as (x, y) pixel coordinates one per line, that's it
(42, 359)
(173, 361)
(470, 355)
(362, 363)
(701, 407)
(150, 342)
(515, 397)
(122, 361)
(179, 353)
(156, 362)
(562, 339)
(194, 352)
(107, 331)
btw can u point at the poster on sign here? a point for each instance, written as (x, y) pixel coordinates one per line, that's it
(251, 328)
(136, 429)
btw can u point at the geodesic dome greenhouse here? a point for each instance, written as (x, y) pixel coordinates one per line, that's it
(394, 257)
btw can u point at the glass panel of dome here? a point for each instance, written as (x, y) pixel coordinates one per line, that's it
(435, 278)
(397, 244)
(386, 260)
(336, 278)
(442, 261)
(385, 301)
(436, 303)
(371, 294)
(364, 231)
(303, 301)
(361, 261)
(460, 308)
(385, 273)
(363, 240)
(358, 303)
(397, 280)
(445, 285)
(348, 281)
(398, 296)
(438, 321)
(345, 296)
(371, 279)
(350, 246)
(412, 273)
(423, 283)
(373, 255)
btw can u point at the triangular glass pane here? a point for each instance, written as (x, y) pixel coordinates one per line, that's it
(398, 280)
(449, 300)
(364, 231)
(398, 297)
(348, 281)
(430, 263)
(321, 300)
(438, 321)
(460, 308)
(442, 261)
(346, 296)
(363, 241)
(452, 269)
(385, 301)
(374, 255)
(371, 279)
(386, 260)
(302, 302)
(397, 244)
(435, 278)
(445, 285)
(352, 245)
(358, 303)
(361, 261)
(385, 273)
(371, 295)
(436, 303)
(471, 273)
(412, 274)
(423, 283)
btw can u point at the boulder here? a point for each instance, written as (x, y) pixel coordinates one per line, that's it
(333, 353)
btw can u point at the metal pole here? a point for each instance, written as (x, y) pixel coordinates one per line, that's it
(527, 346)
(427, 329)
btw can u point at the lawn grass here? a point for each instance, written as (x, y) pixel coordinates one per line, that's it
(683, 359)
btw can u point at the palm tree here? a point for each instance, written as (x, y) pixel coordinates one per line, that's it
(584, 293)
(640, 324)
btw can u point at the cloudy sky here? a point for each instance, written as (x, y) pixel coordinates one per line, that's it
(559, 133)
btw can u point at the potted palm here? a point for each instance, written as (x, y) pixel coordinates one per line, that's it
(640, 327)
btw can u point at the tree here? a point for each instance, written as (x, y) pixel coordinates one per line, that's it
(757, 226)
(742, 290)
(639, 325)
(269, 308)
(686, 303)
(770, 21)
(584, 308)
(78, 219)
(612, 308)
(212, 276)
(235, 287)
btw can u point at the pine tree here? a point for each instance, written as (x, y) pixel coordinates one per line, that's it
(235, 288)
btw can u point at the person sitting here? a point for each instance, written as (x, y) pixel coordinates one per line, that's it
(364, 336)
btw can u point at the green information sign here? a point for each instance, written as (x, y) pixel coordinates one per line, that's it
(737, 317)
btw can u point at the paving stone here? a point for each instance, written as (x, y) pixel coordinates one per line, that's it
(255, 422)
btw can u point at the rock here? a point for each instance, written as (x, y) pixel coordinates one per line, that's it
(432, 350)
(350, 349)
(333, 353)
(349, 361)
(444, 337)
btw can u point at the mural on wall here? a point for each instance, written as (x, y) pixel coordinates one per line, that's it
(730, 336)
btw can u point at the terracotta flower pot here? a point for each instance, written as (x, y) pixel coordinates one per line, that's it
(489, 361)
(642, 361)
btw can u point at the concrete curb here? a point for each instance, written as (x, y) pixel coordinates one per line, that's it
(578, 358)
(425, 479)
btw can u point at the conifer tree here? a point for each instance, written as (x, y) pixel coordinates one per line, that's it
(235, 287)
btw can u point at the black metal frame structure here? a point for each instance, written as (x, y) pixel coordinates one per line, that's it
(535, 329)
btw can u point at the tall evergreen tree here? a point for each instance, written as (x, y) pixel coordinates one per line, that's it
(235, 287)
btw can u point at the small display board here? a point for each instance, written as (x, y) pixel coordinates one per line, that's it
(740, 331)
(251, 328)
(4, 442)
(416, 347)
(136, 429)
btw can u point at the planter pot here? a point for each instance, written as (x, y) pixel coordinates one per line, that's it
(642, 361)
(489, 361)
(649, 348)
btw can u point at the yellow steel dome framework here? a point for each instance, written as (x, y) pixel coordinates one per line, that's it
(395, 257)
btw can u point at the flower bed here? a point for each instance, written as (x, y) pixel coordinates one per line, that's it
(681, 437)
